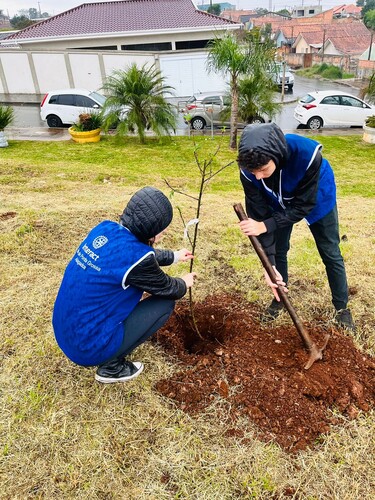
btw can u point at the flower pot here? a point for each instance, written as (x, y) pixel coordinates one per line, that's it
(82, 137)
(3, 140)
(368, 134)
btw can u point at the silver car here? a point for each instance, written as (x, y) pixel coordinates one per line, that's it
(206, 110)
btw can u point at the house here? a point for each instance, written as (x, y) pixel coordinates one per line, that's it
(239, 16)
(347, 11)
(308, 11)
(287, 34)
(337, 39)
(138, 25)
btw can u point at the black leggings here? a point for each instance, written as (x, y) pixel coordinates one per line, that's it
(148, 316)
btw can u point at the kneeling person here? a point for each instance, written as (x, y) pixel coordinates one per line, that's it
(99, 317)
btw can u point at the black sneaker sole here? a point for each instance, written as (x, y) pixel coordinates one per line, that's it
(112, 380)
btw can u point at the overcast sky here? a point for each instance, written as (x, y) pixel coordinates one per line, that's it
(54, 7)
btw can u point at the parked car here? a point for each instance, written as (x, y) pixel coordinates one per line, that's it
(60, 107)
(328, 108)
(206, 109)
(277, 75)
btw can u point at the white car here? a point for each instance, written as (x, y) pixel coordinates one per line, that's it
(60, 107)
(332, 107)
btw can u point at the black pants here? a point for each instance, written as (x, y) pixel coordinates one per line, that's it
(326, 235)
(147, 317)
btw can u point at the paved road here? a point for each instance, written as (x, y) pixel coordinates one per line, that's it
(27, 123)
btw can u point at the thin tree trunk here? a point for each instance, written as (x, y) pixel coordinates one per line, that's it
(234, 115)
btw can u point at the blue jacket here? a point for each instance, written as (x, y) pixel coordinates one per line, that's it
(93, 300)
(292, 191)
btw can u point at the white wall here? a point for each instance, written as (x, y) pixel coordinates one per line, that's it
(36, 72)
(51, 72)
(188, 74)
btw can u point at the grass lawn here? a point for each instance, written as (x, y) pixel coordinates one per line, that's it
(65, 436)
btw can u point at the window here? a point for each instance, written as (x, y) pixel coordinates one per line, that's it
(152, 47)
(65, 100)
(351, 101)
(84, 102)
(192, 44)
(212, 100)
(332, 99)
(107, 47)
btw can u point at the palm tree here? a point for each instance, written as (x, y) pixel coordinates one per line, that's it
(136, 101)
(229, 55)
(256, 98)
(368, 92)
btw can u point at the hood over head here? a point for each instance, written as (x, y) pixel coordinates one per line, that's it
(265, 138)
(147, 214)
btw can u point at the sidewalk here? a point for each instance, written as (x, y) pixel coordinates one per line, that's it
(37, 134)
(21, 99)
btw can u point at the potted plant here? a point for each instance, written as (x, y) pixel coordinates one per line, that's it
(369, 130)
(87, 129)
(6, 117)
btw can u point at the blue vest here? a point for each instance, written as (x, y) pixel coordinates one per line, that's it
(93, 300)
(301, 154)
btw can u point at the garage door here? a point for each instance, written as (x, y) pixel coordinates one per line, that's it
(188, 74)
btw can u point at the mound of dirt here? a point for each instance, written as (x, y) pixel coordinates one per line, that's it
(259, 370)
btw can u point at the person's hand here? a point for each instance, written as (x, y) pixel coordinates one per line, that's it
(275, 286)
(184, 255)
(251, 227)
(189, 279)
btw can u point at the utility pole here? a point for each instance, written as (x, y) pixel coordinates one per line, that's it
(324, 42)
(283, 81)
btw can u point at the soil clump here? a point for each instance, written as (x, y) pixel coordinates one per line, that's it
(258, 372)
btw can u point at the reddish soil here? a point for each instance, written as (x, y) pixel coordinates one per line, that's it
(258, 370)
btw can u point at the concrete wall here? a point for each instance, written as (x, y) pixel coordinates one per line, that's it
(361, 69)
(34, 72)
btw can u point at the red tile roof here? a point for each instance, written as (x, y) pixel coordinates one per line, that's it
(122, 16)
(350, 44)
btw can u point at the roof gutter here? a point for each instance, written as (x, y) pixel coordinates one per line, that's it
(124, 34)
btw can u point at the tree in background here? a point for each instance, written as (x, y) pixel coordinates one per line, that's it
(284, 12)
(214, 9)
(261, 12)
(136, 102)
(20, 22)
(367, 6)
(369, 19)
(251, 56)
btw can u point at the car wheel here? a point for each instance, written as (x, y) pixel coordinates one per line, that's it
(257, 119)
(198, 123)
(315, 123)
(54, 121)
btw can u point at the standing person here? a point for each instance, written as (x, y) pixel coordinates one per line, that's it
(285, 180)
(99, 317)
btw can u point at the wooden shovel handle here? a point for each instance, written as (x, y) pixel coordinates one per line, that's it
(238, 208)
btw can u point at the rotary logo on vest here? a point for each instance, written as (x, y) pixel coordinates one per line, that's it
(99, 242)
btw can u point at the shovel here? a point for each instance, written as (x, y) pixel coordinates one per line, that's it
(315, 352)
